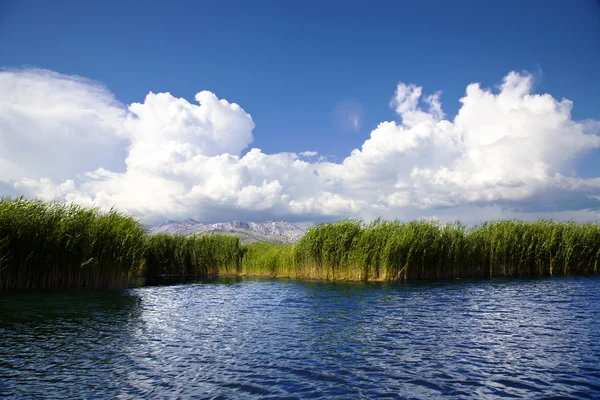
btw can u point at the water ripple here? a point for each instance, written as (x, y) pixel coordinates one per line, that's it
(504, 338)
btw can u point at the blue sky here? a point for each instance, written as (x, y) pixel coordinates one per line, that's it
(298, 68)
(290, 64)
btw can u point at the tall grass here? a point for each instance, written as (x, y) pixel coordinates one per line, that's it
(191, 255)
(427, 250)
(391, 250)
(56, 246)
(268, 259)
(536, 248)
(48, 245)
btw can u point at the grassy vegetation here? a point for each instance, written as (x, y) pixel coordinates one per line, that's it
(191, 255)
(268, 259)
(65, 246)
(391, 250)
(49, 245)
(55, 246)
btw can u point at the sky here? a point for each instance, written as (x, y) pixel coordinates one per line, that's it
(304, 111)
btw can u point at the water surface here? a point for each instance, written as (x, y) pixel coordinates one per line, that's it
(518, 338)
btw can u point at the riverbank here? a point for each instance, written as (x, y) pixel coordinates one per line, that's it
(47, 245)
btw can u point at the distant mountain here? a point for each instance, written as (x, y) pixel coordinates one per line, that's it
(269, 231)
(186, 227)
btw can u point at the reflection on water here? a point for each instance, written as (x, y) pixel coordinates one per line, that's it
(528, 338)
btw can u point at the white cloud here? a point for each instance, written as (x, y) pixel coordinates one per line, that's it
(167, 131)
(66, 138)
(59, 126)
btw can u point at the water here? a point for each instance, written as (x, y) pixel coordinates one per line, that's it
(518, 338)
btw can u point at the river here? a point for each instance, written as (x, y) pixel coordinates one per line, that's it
(253, 338)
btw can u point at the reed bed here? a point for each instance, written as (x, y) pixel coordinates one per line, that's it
(392, 250)
(49, 245)
(178, 255)
(268, 260)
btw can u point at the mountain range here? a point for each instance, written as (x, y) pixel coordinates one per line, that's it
(269, 231)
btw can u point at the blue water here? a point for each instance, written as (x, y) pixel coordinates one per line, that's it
(509, 338)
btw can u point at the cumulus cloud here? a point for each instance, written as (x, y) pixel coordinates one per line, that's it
(68, 139)
(58, 126)
(167, 131)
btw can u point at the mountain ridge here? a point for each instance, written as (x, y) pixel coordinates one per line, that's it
(267, 231)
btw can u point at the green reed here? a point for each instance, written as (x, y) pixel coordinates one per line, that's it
(191, 255)
(392, 250)
(50, 245)
(268, 259)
